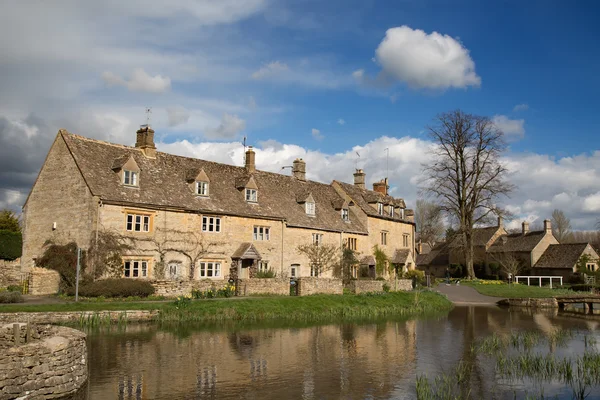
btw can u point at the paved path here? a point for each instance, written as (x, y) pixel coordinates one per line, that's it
(462, 295)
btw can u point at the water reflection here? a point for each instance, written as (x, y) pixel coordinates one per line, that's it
(340, 361)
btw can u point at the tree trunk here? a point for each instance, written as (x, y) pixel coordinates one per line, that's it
(468, 236)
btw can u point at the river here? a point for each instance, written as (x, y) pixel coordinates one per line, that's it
(357, 360)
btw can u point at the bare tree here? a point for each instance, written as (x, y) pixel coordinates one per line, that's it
(509, 263)
(322, 257)
(561, 226)
(465, 174)
(429, 220)
(105, 253)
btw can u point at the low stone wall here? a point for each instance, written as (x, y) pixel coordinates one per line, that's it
(534, 303)
(76, 316)
(255, 286)
(52, 364)
(370, 286)
(401, 285)
(311, 285)
(10, 272)
(172, 288)
(43, 281)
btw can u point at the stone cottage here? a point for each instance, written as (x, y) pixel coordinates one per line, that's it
(194, 219)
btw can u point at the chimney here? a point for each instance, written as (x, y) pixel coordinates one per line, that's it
(500, 222)
(359, 178)
(525, 225)
(381, 186)
(299, 169)
(250, 160)
(145, 141)
(547, 227)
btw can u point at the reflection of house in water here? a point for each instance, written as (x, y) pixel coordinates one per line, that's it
(345, 361)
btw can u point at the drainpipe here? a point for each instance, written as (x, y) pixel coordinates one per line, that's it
(282, 230)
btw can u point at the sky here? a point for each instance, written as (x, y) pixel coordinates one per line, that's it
(335, 83)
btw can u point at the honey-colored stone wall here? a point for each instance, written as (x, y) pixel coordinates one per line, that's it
(43, 281)
(371, 286)
(267, 286)
(541, 247)
(309, 285)
(10, 272)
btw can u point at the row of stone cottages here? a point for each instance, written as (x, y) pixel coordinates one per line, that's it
(238, 219)
(537, 252)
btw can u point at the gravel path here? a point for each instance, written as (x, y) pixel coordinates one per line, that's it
(460, 295)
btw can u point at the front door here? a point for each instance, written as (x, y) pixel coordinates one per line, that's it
(244, 269)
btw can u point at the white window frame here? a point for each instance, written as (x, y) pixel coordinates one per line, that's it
(345, 214)
(210, 267)
(384, 238)
(130, 178)
(591, 266)
(380, 208)
(261, 233)
(310, 208)
(294, 270)
(135, 269)
(314, 270)
(251, 195)
(392, 211)
(402, 213)
(317, 238)
(263, 266)
(211, 224)
(174, 270)
(405, 240)
(352, 243)
(202, 188)
(137, 222)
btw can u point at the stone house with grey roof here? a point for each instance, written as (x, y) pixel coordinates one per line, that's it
(561, 259)
(228, 221)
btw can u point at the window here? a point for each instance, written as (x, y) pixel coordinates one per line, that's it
(130, 178)
(211, 224)
(261, 233)
(251, 195)
(314, 270)
(384, 238)
(202, 188)
(345, 214)
(263, 266)
(317, 238)
(210, 269)
(173, 270)
(294, 270)
(392, 211)
(405, 238)
(310, 207)
(135, 269)
(138, 223)
(402, 213)
(591, 266)
(352, 243)
(380, 208)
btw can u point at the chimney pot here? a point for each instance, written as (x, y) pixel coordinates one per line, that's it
(525, 226)
(381, 186)
(359, 178)
(299, 169)
(145, 141)
(250, 160)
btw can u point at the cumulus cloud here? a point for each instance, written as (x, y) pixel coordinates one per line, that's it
(521, 107)
(229, 128)
(513, 128)
(341, 121)
(317, 134)
(177, 116)
(422, 60)
(592, 202)
(272, 69)
(358, 74)
(140, 81)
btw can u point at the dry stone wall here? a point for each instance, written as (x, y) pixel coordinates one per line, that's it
(10, 272)
(371, 286)
(271, 286)
(53, 364)
(43, 281)
(311, 285)
(76, 316)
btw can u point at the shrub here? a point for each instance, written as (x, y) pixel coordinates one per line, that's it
(115, 288)
(226, 291)
(386, 288)
(62, 259)
(266, 274)
(11, 297)
(11, 245)
(14, 288)
(416, 275)
(585, 287)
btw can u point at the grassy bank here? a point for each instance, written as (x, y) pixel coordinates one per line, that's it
(309, 308)
(514, 291)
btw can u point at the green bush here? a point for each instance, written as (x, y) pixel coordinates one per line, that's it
(14, 288)
(11, 245)
(114, 288)
(416, 275)
(386, 287)
(266, 274)
(11, 297)
(582, 287)
(63, 259)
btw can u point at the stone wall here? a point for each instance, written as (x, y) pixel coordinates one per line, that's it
(43, 281)
(10, 272)
(272, 286)
(172, 288)
(310, 285)
(530, 302)
(369, 286)
(76, 316)
(52, 364)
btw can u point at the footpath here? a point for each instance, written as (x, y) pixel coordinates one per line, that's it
(465, 295)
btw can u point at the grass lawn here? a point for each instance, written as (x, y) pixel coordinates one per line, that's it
(309, 308)
(515, 291)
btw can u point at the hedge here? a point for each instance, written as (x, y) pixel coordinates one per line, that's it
(11, 245)
(114, 288)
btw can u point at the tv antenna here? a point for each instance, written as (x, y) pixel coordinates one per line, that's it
(148, 112)
(387, 163)
(357, 160)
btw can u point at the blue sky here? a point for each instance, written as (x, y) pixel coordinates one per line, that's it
(312, 79)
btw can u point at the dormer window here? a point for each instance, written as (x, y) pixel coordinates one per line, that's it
(202, 188)
(310, 208)
(130, 178)
(392, 211)
(402, 213)
(251, 195)
(345, 214)
(380, 208)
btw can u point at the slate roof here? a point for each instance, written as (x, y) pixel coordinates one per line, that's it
(162, 183)
(363, 198)
(517, 242)
(561, 255)
(246, 251)
(400, 256)
(439, 255)
(481, 236)
(367, 260)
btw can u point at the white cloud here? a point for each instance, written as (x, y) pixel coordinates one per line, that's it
(317, 134)
(421, 60)
(229, 127)
(341, 121)
(521, 107)
(592, 202)
(358, 74)
(513, 128)
(252, 104)
(140, 81)
(177, 115)
(270, 70)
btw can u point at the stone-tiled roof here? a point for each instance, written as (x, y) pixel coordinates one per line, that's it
(517, 242)
(561, 255)
(363, 198)
(367, 260)
(163, 183)
(400, 256)
(246, 251)
(481, 236)
(438, 255)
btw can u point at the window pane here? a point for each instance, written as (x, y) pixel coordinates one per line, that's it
(129, 222)
(209, 269)
(144, 268)
(218, 224)
(217, 269)
(146, 223)
(127, 269)
(134, 178)
(202, 269)
(267, 233)
(135, 269)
